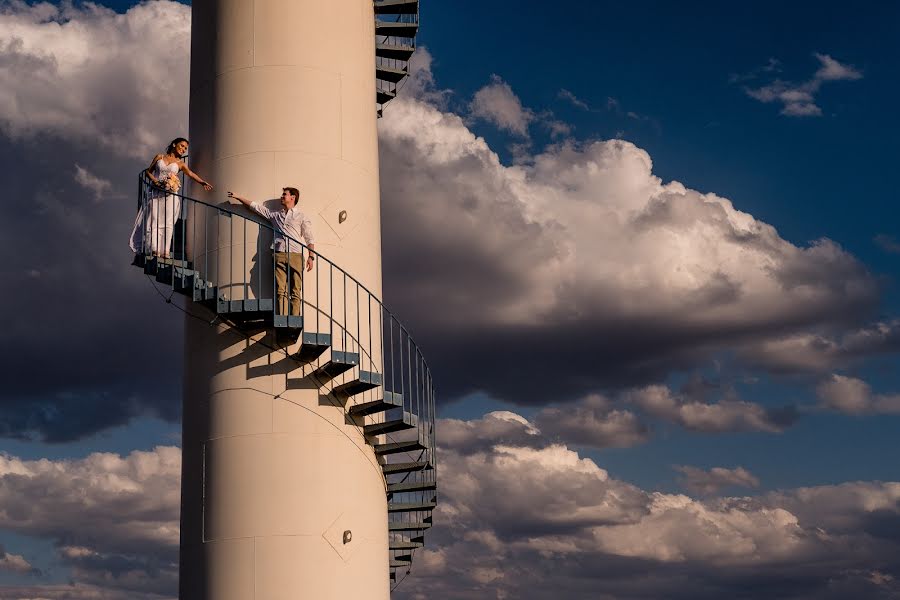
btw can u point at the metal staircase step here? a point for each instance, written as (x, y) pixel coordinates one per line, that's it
(205, 293)
(398, 545)
(406, 467)
(395, 447)
(394, 52)
(243, 311)
(186, 280)
(180, 278)
(392, 75)
(340, 362)
(388, 402)
(411, 486)
(396, 563)
(406, 421)
(287, 322)
(396, 29)
(384, 96)
(409, 526)
(312, 346)
(396, 7)
(155, 262)
(395, 507)
(366, 381)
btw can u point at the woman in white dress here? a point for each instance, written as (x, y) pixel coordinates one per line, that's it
(155, 223)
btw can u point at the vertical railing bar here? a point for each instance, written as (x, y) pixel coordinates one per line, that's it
(393, 372)
(344, 323)
(318, 285)
(303, 285)
(358, 319)
(244, 263)
(409, 362)
(274, 276)
(206, 277)
(331, 302)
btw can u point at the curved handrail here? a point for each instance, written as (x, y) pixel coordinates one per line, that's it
(383, 346)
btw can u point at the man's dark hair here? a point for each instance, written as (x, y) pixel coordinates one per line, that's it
(293, 192)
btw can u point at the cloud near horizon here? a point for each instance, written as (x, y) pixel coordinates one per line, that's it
(112, 519)
(515, 521)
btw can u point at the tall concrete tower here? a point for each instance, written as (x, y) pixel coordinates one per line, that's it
(308, 460)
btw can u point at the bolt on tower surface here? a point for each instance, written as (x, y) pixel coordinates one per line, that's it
(308, 439)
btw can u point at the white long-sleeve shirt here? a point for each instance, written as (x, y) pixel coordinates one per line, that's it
(292, 222)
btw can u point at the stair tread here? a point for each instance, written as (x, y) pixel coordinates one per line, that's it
(397, 7)
(406, 467)
(312, 346)
(385, 96)
(406, 421)
(389, 401)
(395, 447)
(395, 29)
(411, 486)
(390, 74)
(339, 363)
(394, 51)
(408, 526)
(405, 545)
(410, 506)
(365, 381)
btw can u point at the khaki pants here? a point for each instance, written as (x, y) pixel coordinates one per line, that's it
(284, 262)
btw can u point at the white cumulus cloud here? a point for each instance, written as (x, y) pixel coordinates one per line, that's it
(854, 396)
(86, 73)
(498, 104)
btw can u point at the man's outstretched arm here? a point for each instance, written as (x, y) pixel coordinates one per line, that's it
(240, 199)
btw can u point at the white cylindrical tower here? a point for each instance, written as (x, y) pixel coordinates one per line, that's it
(282, 497)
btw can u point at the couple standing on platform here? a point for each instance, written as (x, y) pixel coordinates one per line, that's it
(155, 223)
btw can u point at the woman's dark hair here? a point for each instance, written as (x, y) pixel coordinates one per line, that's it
(173, 143)
(293, 192)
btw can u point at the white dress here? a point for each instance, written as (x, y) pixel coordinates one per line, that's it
(155, 222)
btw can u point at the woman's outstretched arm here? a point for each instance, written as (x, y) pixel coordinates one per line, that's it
(206, 185)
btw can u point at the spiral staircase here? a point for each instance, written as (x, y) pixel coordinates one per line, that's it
(344, 341)
(396, 25)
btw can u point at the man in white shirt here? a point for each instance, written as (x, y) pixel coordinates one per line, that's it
(290, 224)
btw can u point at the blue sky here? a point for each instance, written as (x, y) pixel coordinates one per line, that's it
(658, 401)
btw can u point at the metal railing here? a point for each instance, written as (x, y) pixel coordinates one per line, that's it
(221, 257)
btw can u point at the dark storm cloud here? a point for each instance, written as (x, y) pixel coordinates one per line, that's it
(87, 343)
